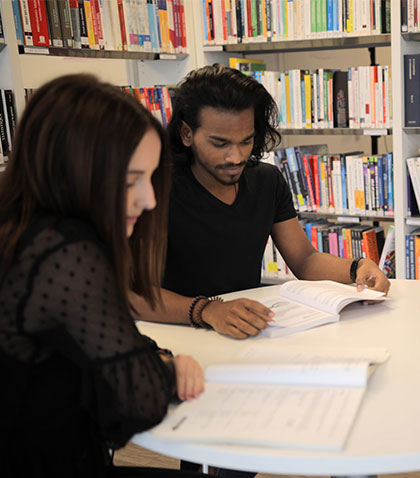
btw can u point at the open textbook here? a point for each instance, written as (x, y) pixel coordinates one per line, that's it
(302, 304)
(300, 399)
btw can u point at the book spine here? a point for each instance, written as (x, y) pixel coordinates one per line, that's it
(39, 22)
(54, 23)
(411, 90)
(64, 15)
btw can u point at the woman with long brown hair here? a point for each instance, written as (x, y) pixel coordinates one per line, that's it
(89, 172)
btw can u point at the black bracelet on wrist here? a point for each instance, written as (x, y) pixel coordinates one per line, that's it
(353, 269)
(190, 310)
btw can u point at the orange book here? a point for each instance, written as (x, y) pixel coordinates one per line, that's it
(371, 245)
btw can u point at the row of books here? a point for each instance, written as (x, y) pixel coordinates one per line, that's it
(412, 254)
(157, 100)
(131, 25)
(360, 97)
(7, 124)
(412, 90)
(245, 21)
(410, 16)
(346, 183)
(341, 240)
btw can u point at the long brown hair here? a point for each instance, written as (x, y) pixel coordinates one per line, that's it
(70, 157)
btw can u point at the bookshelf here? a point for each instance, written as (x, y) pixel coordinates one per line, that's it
(406, 141)
(403, 142)
(30, 66)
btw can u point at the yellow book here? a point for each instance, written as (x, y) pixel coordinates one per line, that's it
(89, 25)
(308, 100)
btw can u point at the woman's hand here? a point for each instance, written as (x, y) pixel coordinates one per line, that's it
(189, 377)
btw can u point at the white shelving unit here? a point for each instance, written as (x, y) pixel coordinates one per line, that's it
(405, 142)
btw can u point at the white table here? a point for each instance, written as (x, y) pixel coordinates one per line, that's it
(385, 437)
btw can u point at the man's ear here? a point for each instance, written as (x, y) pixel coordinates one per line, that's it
(186, 134)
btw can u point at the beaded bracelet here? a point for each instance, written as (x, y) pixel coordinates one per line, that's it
(190, 310)
(199, 322)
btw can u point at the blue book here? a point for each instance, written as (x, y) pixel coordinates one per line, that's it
(18, 22)
(335, 15)
(344, 182)
(205, 27)
(407, 257)
(294, 173)
(151, 14)
(158, 96)
(390, 168)
(380, 177)
(303, 103)
(330, 22)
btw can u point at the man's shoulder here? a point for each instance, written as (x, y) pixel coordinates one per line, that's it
(261, 170)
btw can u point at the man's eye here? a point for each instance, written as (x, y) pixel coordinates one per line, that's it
(219, 145)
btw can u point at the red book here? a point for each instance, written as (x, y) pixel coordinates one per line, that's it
(315, 171)
(171, 23)
(39, 22)
(167, 103)
(97, 23)
(122, 24)
(309, 176)
(249, 17)
(183, 27)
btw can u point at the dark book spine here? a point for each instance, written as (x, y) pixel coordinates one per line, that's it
(54, 22)
(239, 25)
(83, 27)
(10, 111)
(404, 16)
(65, 23)
(411, 90)
(340, 99)
(3, 132)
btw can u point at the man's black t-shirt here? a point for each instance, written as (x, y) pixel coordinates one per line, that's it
(215, 248)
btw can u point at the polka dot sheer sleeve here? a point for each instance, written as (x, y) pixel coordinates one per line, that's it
(73, 307)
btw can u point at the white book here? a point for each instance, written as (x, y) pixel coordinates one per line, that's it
(302, 305)
(310, 400)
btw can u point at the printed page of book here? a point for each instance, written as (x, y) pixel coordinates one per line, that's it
(326, 295)
(291, 317)
(339, 373)
(267, 415)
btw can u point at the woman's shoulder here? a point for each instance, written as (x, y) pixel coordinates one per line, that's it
(48, 231)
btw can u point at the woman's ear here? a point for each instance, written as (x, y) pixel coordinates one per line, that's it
(186, 134)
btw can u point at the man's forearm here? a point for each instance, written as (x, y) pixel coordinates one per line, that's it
(174, 308)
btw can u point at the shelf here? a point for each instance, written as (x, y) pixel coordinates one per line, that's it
(366, 41)
(335, 131)
(412, 36)
(90, 53)
(413, 221)
(344, 218)
(2, 46)
(411, 130)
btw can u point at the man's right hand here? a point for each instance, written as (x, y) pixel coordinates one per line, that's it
(238, 318)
